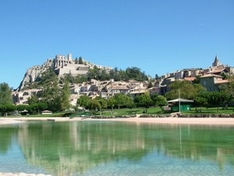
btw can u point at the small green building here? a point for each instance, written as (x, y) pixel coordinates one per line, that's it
(180, 105)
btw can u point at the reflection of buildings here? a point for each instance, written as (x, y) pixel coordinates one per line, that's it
(65, 148)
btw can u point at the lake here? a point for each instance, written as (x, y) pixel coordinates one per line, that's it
(116, 148)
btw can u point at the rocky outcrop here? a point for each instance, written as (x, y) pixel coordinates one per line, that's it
(34, 73)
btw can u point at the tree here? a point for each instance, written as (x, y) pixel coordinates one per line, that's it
(94, 106)
(228, 89)
(102, 102)
(111, 103)
(144, 100)
(136, 74)
(184, 89)
(65, 97)
(76, 61)
(154, 97)
(33, 100)
(80, 79)
(121, 100)
(7, 108)
(161, 101)
(68, 77)
(83, 101)
(5, 94)
(80, 60)
(129, 102)
(51, 95)
(215, 99)
(201, 99)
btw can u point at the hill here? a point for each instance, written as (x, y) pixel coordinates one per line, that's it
(61, 65)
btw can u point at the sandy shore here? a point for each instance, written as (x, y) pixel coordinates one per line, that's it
(169, 120)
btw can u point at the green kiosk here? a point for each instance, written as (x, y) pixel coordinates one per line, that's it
(180, 104)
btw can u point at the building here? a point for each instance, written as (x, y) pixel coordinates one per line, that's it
(212, 82)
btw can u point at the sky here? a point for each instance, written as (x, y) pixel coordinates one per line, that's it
(157, 36)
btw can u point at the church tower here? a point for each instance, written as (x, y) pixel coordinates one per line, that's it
(216, 62)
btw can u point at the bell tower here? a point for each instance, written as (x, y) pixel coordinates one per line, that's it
(216, 62)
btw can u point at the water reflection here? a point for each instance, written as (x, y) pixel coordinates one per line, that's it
(66, 148)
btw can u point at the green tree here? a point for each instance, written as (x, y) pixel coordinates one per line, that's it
(94, 106)
(80, 79)
(111, 103)
(76, 61)
(144, 100)
(68, 77)
(5, 94)
(65, 97)
(154, 97)
(33, 100)
(83, 101)
(136, 74)
(51, 95)
(47, 77)
(7, 108)
(129, 102)
(214, 99)
(102, 102)
(80, 60)
(121, 100)
(161, 101)
(22, 107)
(184, 89)
(201, 99)
(228, 90)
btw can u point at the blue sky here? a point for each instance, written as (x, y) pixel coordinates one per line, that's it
(157, 36)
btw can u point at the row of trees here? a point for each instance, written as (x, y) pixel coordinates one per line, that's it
(122, 101)
(118, 75)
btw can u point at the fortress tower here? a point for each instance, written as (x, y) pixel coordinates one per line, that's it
(69, 57)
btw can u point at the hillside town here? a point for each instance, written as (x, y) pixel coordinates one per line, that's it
(210, 78)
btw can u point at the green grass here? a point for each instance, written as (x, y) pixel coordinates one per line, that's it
(213, 110)
(134, 111)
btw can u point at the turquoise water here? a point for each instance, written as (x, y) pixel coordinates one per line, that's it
(116, 148)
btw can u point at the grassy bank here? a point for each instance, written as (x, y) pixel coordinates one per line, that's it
(154, 111)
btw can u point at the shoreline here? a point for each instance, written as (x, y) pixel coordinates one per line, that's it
(152, 120)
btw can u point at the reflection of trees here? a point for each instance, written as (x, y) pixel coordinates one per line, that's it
(64, 148)
(75, 147)
(6, 135)
(197, 143)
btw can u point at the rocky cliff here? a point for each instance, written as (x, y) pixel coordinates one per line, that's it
(34, 72)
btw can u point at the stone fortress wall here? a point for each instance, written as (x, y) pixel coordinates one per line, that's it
(66, 65)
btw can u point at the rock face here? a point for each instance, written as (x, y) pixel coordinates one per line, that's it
(61, 65)
(35, 72)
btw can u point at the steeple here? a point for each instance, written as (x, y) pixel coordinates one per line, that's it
(216, 62)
